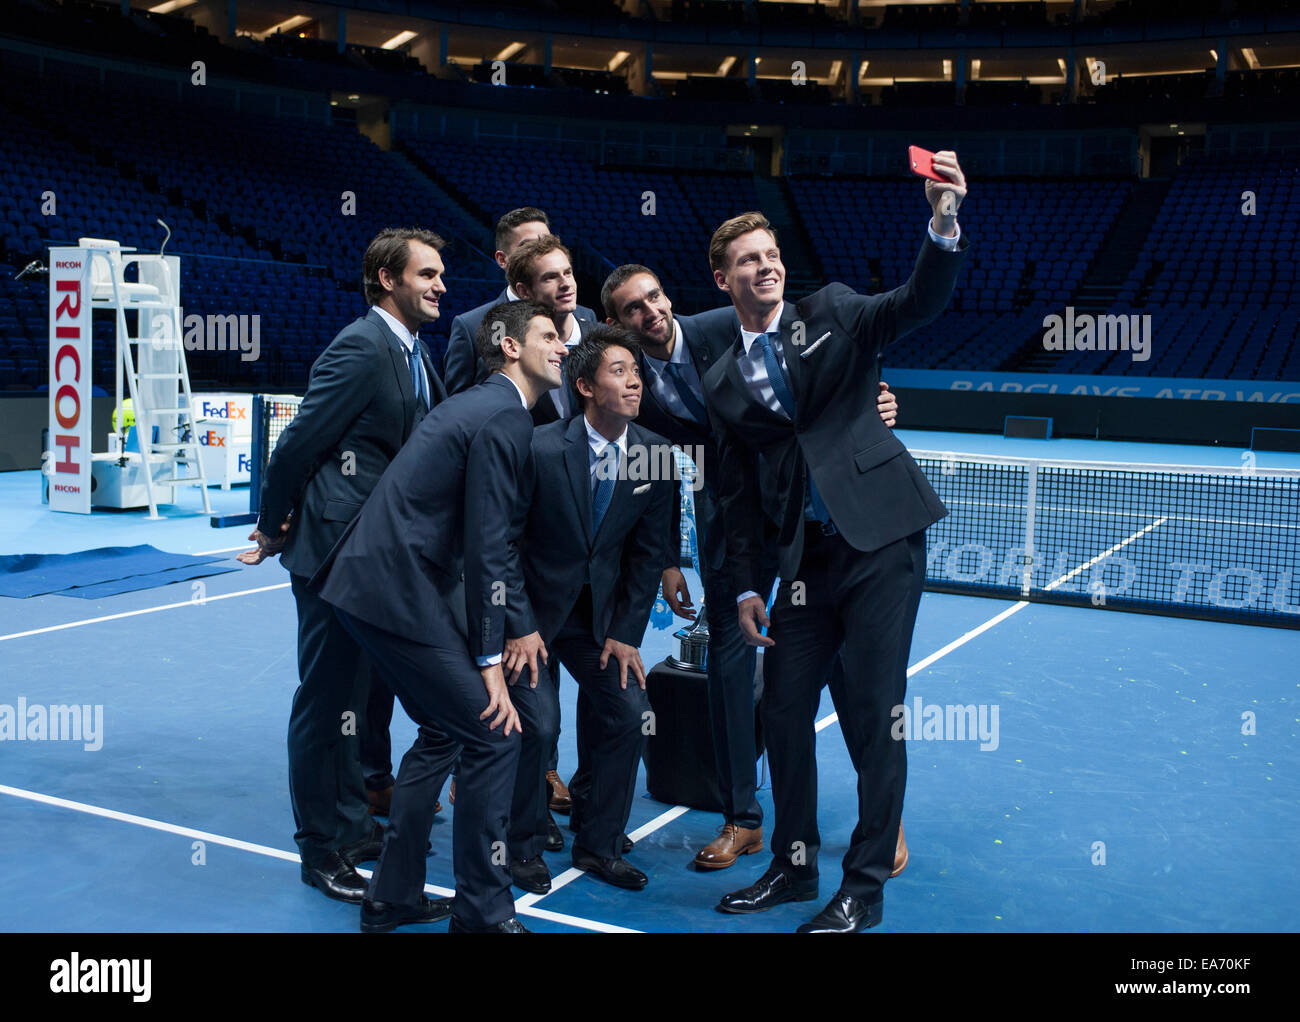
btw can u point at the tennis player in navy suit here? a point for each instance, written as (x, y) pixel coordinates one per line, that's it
(368, 390)
(676, 353)
(593, 549)
(422, 579)
(462, 367)
(793, 407)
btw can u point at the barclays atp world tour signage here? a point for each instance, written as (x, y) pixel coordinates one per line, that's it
(67, 462)
(1254, 391)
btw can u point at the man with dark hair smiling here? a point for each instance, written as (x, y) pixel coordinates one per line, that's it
(794, 393)
(462, 367)
(593, 549)
(542, 270)
(421, 580)
(367, 392)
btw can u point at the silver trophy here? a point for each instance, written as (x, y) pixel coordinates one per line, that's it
(693, 640)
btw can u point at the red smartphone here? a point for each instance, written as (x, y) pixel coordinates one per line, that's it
(921, 161)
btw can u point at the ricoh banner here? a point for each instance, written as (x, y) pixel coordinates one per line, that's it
(67, 463)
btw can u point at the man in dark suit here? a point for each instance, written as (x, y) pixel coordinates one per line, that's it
(461, 365)
(422, 579)
(676, 353)
(542, 271)
(793, 411)
(593, 549)
(367, 392)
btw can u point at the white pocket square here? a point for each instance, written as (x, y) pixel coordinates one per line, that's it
(641, 489)
(813, 347)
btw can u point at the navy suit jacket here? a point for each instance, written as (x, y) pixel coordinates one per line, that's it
(622, 561)
(874, 491)
(432, 556)
(359, 409)
(462, 368)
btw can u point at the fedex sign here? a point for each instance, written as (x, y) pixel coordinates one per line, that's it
(67, 463)
(222, 410)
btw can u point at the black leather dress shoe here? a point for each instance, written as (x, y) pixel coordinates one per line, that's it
(367, 849)
(334, 877)
(575, 824)
(618, 872)
(531, 875)
(773, 888)
(554, 839)
(382, 917)
(845, 914)
(511, 925)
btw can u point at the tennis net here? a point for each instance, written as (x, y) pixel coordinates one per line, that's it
(1209, 542)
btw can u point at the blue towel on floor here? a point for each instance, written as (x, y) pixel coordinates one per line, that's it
(139, 567)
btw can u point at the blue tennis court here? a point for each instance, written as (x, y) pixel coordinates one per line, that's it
(1109, 772)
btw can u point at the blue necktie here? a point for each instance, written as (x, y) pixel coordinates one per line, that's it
(603, 492)
(814, 507)
(694, 408)
(417, 377)
(776, 376)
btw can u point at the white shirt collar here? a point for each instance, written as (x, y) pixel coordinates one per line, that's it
(510, 294)
(576, 336)
(747, 337)
(405, 336)
(522, 400)
(679, 355)
(598, 443)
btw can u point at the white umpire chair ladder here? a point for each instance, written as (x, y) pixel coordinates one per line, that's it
(152, 360)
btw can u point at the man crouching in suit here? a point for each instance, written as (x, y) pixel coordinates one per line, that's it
(793, 407)
(593, 549)
(421, 579)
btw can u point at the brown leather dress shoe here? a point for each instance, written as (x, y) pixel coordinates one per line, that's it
(728, 846)
(560, 801)
(900, 852)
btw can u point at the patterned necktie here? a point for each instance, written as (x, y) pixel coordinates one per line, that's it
(417, 377)
(603, 492)
(694, 408)
(814, 507)
(776, 376)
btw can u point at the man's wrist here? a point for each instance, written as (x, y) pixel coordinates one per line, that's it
(747, 594)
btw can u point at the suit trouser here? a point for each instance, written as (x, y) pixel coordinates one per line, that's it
(539, 713)
(376, 742)
(609, 735)
(731, 665)
(864, 604)
(325, 787)
(442, 690)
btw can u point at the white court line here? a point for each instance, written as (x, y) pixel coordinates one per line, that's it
(1015, 608)
(274, 853)
(1105, 553)
(145, 610)
(573, 873)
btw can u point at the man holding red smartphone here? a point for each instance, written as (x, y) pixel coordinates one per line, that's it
(792, 403)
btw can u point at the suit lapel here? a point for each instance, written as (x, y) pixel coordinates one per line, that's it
(437, 391)
(401, 368)
(578, 469)
(793, 363)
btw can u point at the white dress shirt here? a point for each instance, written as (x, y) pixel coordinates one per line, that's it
(408, 340)
(663, 388)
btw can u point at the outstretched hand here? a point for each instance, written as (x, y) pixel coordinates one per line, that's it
(945, 197)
